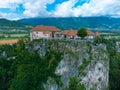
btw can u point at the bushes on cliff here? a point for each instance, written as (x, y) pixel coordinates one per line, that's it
(74, 85)
(27, 70)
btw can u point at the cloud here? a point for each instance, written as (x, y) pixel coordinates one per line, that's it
(32, 8)
(11, 16)
(64, 9)
(38, 8)
(11, 4)
(93, 8)
(2, 15)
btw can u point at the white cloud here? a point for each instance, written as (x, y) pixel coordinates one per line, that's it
(32, 8)
(10, 16)
(64, 9)
(36, 9)
(2, 15)
(10, 3)
(93, 8)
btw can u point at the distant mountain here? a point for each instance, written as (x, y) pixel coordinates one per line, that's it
(95, 23)
(13, 25)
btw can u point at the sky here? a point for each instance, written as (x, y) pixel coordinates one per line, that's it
(19, 9)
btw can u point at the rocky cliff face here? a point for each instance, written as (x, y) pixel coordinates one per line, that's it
(83, 64)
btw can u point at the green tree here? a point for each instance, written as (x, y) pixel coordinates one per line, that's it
(82, 32)
(28, 77)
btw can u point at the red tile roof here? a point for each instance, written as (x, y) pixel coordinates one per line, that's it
(70, 32)
(89, 33)
(65, 32)
(97, 34)
(74, 32)
(45, 28)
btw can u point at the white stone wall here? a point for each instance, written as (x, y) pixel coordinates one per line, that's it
(90, 37)
(38, 35)
(31, 37)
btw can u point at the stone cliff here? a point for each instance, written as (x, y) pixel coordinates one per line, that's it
(83, 66)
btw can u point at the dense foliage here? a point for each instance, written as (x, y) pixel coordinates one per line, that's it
(114, 76)
(24, 70)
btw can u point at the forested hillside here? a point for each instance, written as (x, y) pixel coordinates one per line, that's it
(13, 25)
(94, 23)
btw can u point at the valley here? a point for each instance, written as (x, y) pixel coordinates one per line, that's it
(14, 30)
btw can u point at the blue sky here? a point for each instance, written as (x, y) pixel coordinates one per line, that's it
(18, 9)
